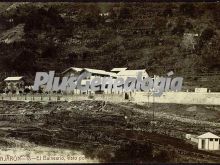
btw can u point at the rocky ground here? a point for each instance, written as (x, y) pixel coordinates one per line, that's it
(109, 132)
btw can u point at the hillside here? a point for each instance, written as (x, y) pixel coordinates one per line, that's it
(104, 134)
(157, 36)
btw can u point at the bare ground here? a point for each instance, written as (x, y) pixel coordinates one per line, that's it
(101, 130)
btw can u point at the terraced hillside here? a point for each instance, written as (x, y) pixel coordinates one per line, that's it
(156, 36)
(108, 134)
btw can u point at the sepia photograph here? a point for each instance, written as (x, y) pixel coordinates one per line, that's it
(109, 82)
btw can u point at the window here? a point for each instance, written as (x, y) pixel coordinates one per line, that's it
(211, 140)
(216, 140)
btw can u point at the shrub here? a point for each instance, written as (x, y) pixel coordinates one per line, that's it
(134, 152)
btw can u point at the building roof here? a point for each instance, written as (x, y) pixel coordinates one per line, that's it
(131, 72)
(208, 135)
(101, 72)
(74, 69)
(118, 69)
(112, 74)
(13, 78)
(97, 71)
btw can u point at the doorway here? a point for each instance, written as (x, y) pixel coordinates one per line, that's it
(126, 96)
(203, 143)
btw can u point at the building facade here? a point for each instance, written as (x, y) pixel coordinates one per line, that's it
(14, 84)
(208, 141)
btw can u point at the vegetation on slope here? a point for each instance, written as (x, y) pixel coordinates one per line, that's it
(155, 36)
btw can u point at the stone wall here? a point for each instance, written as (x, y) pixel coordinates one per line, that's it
(179, 98)
(54, 97)
(137, 97)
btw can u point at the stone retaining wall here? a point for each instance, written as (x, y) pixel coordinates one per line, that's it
(137, 97)
(179, 98)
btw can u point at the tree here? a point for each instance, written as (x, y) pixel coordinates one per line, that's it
(27, 90)
(207, 34)
(2, 86)
(187, 9)
(45, 20)
(210, 54)
(134, 152)
(90, 16)
(179, 28)
(160, 23)
(50, 51)
(215, 10)
(163, 156)
(168, 12)
(113, 14)
(205, 37)
(189, 25)
(125, 13)
(24, 62)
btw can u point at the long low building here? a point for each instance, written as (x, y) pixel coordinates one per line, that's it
(72, 71)
(132, 73)
(16, 84)
(114, 73)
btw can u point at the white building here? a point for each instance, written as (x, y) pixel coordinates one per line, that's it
(192, 138)
(201, 90)
(132, 73)
(189, 40)
(14, 84)
(208, 141)
(117, 70)
(98, 73)
(72, 71)
(128, 74)
(75, 71)
(104, 14)
(114, 73)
